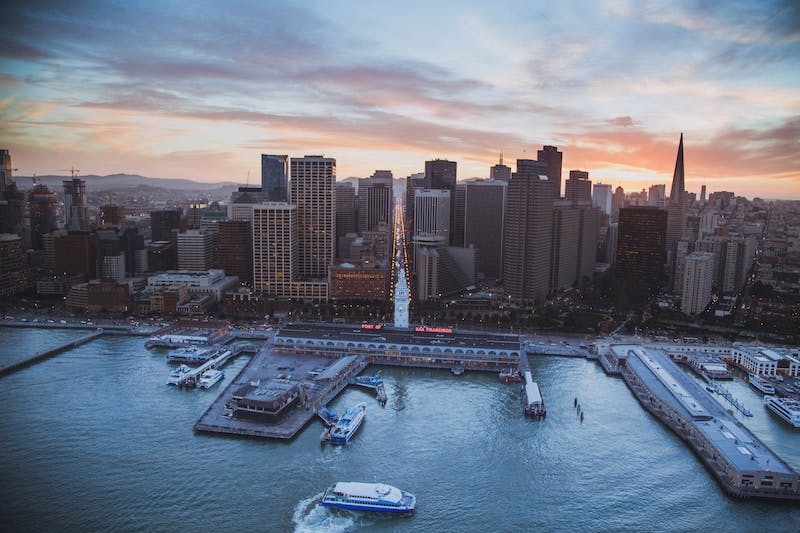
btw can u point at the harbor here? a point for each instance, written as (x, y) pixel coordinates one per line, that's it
(414, 444)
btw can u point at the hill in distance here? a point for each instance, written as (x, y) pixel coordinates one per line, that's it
(122, 181)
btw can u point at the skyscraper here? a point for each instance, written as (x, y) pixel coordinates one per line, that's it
(6, 171)
(602, 197)
(195, 250)
(459, 206)
(432, 208)
(574, 247)
(275, 177)
(42, 208)
(110, 256)
(413, 182)
(564, 249)
(528, 233)
(657, 195)
(578, 186)
(441, 174)
(676, 209)
(697, 280)
(76, 212)
(234, 252)
(346, 213)
(313, 191)
(640, 250)
(484, 213)
(274, 248)
(375, 201)
(162, 224)
(553, 159)
(111, 215)
(617, 202)
(13, 265)
(500, 172)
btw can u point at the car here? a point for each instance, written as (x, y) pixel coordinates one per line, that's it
(62, 321)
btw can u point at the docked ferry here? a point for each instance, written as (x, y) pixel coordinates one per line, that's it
(377, 497)
(348, 424)
(177, 376)
(209, 378)
(189, 354)
(761, 384)
(787, 409)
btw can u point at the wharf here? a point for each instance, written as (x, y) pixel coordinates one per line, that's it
(223, 355)
(556, 349)
(47, 354)
(743, 466)
(317, 378)
(418, 346)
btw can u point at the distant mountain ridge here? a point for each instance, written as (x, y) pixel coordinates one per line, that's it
(119, 181)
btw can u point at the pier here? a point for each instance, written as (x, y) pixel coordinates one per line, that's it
(725, 393)
(276, 395)
(743, 466)
(224, 355)
(532, 398)
(47, 354)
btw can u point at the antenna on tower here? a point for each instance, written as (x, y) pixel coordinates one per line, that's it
(501, 157)
(247, 183)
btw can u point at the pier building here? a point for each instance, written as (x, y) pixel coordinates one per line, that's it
(419, 346)
(743, 465)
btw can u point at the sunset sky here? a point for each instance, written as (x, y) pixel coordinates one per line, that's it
(200, 89)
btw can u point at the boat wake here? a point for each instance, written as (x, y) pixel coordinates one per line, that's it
(310, 516)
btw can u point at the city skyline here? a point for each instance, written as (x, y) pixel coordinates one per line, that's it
(201, 94)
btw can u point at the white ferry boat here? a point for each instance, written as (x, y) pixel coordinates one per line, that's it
(177, 376)
(377, 497)
(761, 384)
(209, 378)
(787, 409)
(348, 424)
(189, 354)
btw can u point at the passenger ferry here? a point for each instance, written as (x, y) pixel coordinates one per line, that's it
(209, 378)
(189, 354)
(348, 424)
(376, 497)
(787, 409)
(177, 376)
(761, 384)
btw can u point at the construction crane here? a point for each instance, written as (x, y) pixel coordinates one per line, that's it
(72, 170)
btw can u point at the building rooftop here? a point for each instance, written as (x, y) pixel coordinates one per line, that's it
(680, 391)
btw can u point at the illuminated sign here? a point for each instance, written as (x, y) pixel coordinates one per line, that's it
(429, 329)
(371, 326)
